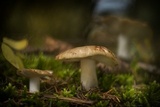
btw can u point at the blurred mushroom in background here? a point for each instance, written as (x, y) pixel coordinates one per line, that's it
(125, 36)
(115, 26)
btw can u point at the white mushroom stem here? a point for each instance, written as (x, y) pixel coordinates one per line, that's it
(88, 74)
(123, 47)
(34, 84)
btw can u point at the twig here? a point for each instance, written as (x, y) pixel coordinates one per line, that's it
(72, 100)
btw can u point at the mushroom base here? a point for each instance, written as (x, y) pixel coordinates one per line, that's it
(34, 84)
(88, 74)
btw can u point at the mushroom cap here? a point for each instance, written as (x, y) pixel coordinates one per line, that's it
(115, 25)
(34, 73)
(97, 53)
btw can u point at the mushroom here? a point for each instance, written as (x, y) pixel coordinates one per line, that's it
(34, 76)
(88, 56)
(131, 33)
(121, 34)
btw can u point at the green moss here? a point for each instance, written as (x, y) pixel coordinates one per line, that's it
(43, 62)
(152, 94)
(102, 104)
(116, 90)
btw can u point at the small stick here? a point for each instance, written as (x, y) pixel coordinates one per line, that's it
(73, 99)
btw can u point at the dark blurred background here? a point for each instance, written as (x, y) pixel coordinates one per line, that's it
(60, 18)
(70, 20)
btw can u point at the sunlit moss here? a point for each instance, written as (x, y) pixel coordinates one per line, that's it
(49, 63)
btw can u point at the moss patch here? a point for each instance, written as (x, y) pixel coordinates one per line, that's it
(64, 88)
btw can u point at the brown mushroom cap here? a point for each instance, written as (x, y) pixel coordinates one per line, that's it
(34, 73)
(97, 53)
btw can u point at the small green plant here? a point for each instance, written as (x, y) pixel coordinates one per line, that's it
(102, 104)
(8, 91)
(66, 93)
